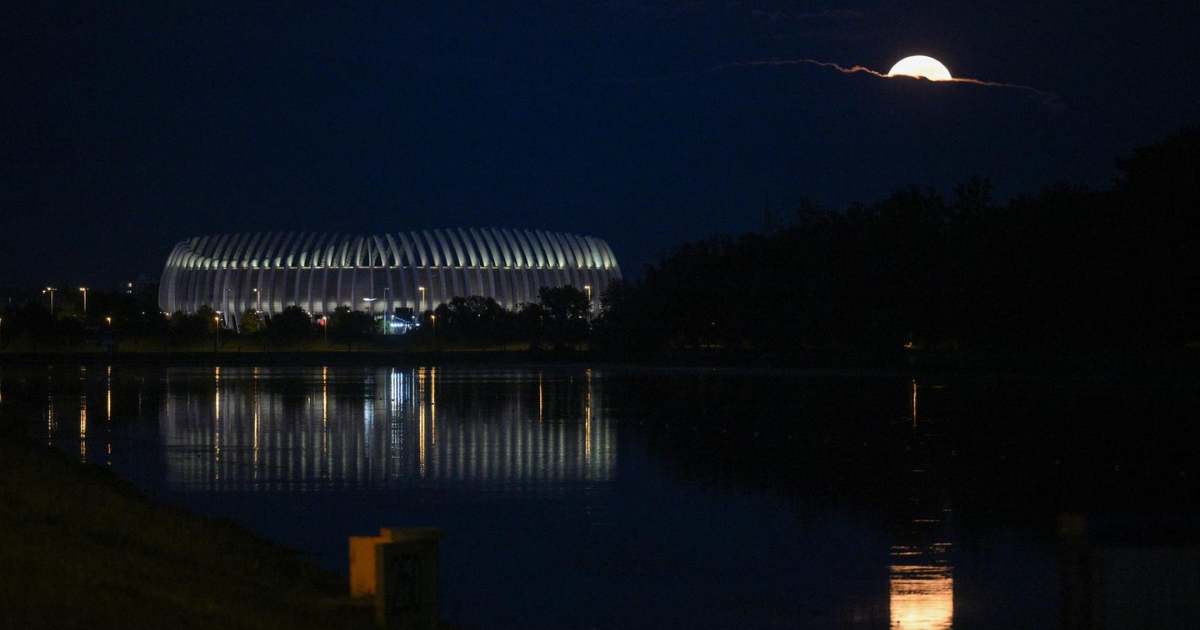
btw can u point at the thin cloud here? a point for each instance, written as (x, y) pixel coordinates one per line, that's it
(794, 62)
(1049, 99)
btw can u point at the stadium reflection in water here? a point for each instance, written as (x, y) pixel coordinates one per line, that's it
(246, 429)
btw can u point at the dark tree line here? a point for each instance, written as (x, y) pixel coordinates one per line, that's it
(29, 325)
(1066, 267)
(558, 320)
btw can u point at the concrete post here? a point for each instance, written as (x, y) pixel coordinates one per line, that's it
(400, 569)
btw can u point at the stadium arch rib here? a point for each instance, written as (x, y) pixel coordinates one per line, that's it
(419, 270)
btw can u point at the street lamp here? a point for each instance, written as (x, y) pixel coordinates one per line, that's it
(51, 291)
(433, 322)
(388, 311)
(85, 290)
(109, 320)
(422, 308)
(325, 325)
(216, 332)
(258, 298)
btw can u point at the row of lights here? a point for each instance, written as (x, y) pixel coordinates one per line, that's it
(217, 319)
(258, 299)
(84, 290)
(53, 290)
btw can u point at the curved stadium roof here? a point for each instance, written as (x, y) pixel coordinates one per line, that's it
(378, 273)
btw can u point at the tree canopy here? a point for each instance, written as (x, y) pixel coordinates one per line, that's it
(1064, 267)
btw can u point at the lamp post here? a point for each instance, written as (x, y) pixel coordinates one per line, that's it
(388, 311)
(216, 332)
(258, 300)
(51, 291)
(109, 320)
(422, 305)
(433, 322)
(371, 308)
(325, 325)
(84, 290)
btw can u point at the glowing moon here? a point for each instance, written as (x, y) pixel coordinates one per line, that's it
(920, 66)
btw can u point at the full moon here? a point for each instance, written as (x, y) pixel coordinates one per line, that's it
(920, 66)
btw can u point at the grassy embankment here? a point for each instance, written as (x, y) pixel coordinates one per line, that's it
(80, 548)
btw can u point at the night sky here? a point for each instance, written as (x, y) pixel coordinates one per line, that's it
(128, 126)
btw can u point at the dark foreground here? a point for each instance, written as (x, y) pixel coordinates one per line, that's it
(82, 549)
(611, 497)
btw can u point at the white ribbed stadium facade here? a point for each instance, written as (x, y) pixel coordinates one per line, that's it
(419, 270)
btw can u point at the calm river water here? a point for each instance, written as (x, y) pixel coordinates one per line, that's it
(641, 498)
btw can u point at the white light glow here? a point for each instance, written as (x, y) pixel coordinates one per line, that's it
(922, 67)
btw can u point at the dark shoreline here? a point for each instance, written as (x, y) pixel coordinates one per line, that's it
(84, 548)
(1108, 362)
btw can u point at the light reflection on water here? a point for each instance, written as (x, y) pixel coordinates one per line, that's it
(383, 426)
(922, 587)
(567, 480)
(272, 432)
(920, 575)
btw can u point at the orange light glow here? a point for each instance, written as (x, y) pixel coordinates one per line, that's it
(922, 589)
(922, 67)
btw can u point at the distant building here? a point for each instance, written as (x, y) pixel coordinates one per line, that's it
(18, 297)
(143, 285)
(380, 273)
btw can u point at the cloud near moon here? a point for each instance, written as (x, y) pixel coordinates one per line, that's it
(1049, 99)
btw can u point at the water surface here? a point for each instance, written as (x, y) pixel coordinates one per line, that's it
(623, 498)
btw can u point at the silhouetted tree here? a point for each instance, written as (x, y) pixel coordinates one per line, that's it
(565, 310)
(1065, 267)
(622, 322)
(1157, 197)
(349, 327)
(292, 324)
(475, 319)
(973, 196)
(210, 318)
(532, 324)
(192, 327)
(251, 322)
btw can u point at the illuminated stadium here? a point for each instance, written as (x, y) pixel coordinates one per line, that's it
(378, 274)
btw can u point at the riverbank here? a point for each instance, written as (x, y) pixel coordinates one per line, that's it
(1026, 361)
(83, 549)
